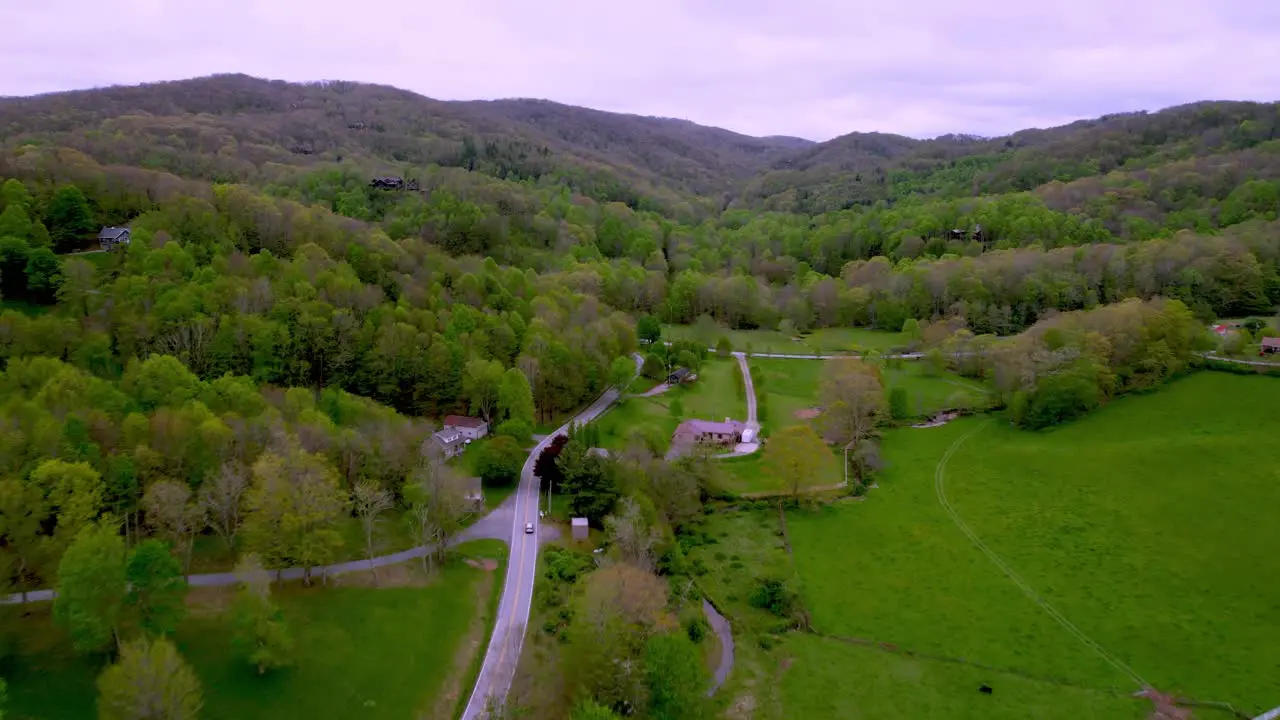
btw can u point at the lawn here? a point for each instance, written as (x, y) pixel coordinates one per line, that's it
(360, 652)
(713, 396)
(1150, 525)
(822, 341)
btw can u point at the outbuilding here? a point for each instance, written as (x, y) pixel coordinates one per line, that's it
(581, 531)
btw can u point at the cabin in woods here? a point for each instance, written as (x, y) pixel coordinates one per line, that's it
(393, 183)
(112, 237)
(973, 234)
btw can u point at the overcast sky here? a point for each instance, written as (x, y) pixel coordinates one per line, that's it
(812, 68)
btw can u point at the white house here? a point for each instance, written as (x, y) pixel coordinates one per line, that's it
(450, 441)
(469, 427)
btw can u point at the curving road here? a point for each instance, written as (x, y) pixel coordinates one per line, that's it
(505, 643)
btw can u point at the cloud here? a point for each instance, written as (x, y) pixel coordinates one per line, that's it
(813, 68)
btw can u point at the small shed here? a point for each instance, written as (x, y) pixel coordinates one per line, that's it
(580, 529)
(678, 376)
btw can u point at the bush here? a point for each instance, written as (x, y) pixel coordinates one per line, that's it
(723, 348)
(697, 628)
(518, 429)
(775, 596)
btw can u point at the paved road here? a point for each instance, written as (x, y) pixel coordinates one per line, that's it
(503, 653)
(495, 525)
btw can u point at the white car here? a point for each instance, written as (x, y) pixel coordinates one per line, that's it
(528, 528)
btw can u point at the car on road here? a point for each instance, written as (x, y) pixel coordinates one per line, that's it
(528, 528)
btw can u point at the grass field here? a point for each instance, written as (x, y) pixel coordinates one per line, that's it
(822, 341)
(360, 652)
(1150, 525)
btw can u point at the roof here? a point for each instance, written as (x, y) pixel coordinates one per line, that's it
(463, 421)
(728, 427)
(112, 233)
(579, 522)
(681, 371)
(1271, 342)
(447, 437)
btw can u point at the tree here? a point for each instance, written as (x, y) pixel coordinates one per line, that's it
(677, 678)
(654, 367)
(222, 500)
(161, 380)
(515, 398)
(437, 500)
(22, 510)
(91, 587)
(619, 607)
(500, 461)
(69, 218)
(260, 632)
(150, 681)
(44, 274)
(676, 408)
(589, 482)
(911, 329)
(480, 383)
(621, 372)
(174, 515)
(545, 466)
(632, 534)
(156, 587)
(793, 457)
(369, 500)
(74, 491)
(852, 399)
(899, 403)
(648, 329)
(518, 430)
(293, 509)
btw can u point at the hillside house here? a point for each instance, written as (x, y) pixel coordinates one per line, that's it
(677, 376)
(387, 183)
(112, 237)
(1270, 345)
(1221, 330)
(450, 442)
(471, 428)
(709, 432)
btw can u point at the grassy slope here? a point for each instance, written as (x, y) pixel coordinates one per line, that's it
(360, 652)
(711, 397)
(1150, 525)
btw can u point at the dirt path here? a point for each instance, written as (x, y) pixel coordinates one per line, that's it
(721, 627)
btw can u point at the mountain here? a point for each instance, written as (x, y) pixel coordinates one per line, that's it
(245, 129)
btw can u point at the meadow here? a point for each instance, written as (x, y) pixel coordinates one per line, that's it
(401, 650)
(1150, 526)
(821, 341)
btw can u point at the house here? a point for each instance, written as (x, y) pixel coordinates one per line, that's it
(450, 442)
(581, 531)
(387, 183)
(471, 428)
(678, 376)
(709, 432)
(1221, 330)
(1270, 345)
(112, 237)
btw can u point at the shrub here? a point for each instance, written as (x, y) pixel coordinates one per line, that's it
(697, 628)
(518, 429)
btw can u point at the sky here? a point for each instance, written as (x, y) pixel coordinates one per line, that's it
(809, 68)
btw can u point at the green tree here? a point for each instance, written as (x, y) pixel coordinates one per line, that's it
(22, 511)
(75, 493)
(294, 507)
(648, 329)
(44, 274)
(69, 218)
(515, 397)
(150, 681)
(159, 381)
(793, 457)
(157, 588)
(500, 461)
(480, 383)
(899, 403)
(723, 347)
(677, 678)
(15, 223)
(91, 587)
(911, 329)
(13, 192)
(589, 482)
(654, 368)
(621, 372)
(260, 633)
